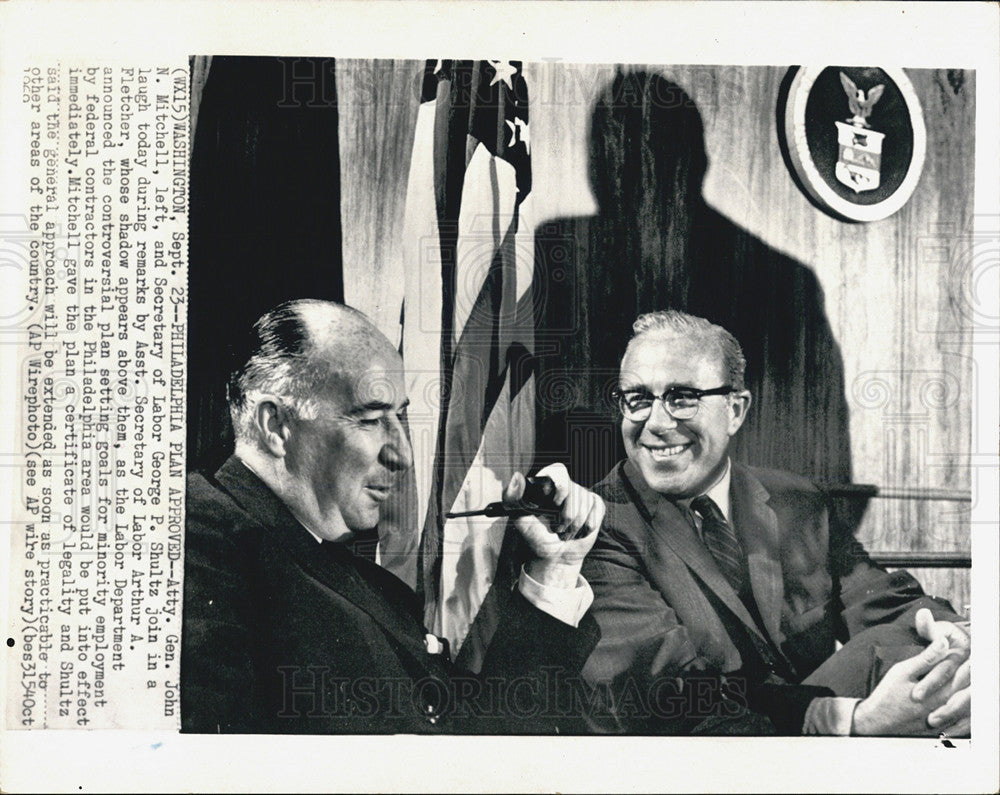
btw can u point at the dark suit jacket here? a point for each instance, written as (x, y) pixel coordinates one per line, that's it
(283, 634)
(665, 609)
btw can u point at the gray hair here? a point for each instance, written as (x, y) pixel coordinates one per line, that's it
(673, 321)
(282, 361)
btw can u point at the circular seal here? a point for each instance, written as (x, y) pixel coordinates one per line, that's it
(856, 138)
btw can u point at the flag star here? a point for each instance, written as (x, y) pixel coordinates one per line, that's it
(519, 131)
(504, 71)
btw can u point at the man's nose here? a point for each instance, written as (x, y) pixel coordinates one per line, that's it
(659, 418)
(396, 452)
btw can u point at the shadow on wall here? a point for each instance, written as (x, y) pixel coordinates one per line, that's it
(655, 244)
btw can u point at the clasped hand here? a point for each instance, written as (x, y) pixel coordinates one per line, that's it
(927, 694)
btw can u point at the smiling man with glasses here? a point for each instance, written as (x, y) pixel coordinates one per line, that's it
(721, 590)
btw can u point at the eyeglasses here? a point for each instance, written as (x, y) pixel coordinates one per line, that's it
(681, 402)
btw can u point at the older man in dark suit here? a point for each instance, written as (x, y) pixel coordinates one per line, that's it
(288, 625)
(734, 580)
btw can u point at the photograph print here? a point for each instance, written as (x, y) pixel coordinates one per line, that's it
(613, 398)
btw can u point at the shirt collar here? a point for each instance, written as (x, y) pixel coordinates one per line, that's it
(720, 492)
(310, 531)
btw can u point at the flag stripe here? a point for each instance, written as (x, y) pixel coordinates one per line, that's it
(483, 425)
(420, 332)
(479, 369)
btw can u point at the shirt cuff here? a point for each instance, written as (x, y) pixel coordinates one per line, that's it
(568, 605)
(830, 715)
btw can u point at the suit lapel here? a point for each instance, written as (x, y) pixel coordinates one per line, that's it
(757, 527)
(331, 564)
(672, 527)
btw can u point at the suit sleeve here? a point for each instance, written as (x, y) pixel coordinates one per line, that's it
(869, 596)
(647, 668)
(643, 647)
(216, 663)
(874, 612)
(528, 639)
(640, 632)
(534, 662)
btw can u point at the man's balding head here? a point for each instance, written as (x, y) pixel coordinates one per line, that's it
(298, 351)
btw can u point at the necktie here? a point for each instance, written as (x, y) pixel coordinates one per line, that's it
(721, 541)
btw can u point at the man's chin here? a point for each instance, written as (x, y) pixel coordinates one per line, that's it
(362, 521)
(670, 484)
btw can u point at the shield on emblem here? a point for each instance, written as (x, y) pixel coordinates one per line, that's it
(854, 136)
(860, 155)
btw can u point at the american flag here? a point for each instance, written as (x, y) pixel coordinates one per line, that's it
(467, 326)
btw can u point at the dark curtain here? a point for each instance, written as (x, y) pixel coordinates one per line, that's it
(264, 218)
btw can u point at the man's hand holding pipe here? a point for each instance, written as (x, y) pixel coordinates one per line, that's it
(559, 544)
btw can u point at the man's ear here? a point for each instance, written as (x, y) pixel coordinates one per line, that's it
(271, 419)
(739, 406)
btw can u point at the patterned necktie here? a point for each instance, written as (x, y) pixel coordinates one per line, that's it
(721, 541)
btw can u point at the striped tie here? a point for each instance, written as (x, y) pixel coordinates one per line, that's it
(721, 541)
